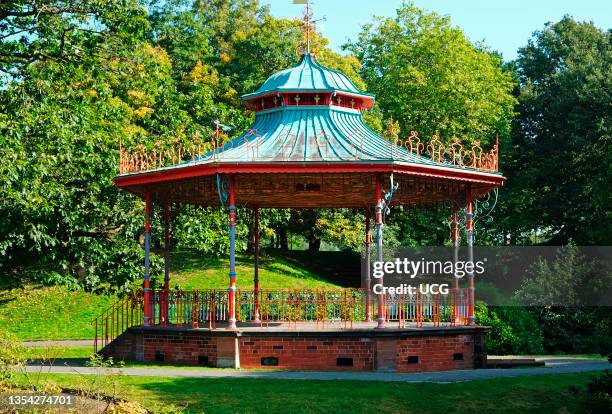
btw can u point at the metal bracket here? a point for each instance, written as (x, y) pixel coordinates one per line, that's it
(223, 196)
(388, 196)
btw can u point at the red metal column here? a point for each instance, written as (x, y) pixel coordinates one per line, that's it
(231, 296)
(166, 291)
(256, 272)
(379, 252)
(455, 237)
(147, 294)
(367, 258)
(469, 227)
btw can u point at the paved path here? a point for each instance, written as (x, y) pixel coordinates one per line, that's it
(554, 365)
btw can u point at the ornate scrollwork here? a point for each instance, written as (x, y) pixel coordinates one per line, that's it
(414, 144)
(436, 149)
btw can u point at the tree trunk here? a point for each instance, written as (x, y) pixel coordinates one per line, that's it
(314, 244)
(283, 241)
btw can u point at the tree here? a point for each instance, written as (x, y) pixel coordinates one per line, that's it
(560, 161)
(441, 83)
(429, 78)
(63, 31)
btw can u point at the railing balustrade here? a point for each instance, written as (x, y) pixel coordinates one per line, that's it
(321, 307)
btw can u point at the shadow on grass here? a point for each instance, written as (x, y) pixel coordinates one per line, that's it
(339, 268)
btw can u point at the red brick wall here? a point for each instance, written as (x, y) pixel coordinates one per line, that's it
(436, 353)
(318, 354)
(180, 349)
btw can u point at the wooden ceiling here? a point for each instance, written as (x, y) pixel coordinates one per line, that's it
(326, 190)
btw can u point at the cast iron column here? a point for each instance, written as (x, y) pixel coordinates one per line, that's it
(231, 296)
(256, 273)
(367, 254)
(455, 237)
(165, 294)
(379, 251)
(469, 228)
(146, 287)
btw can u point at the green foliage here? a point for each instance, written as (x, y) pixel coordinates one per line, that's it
(559, 162)
(571, 280)
(574, 330)
(513, 330)
(429, 77)
(12, 358)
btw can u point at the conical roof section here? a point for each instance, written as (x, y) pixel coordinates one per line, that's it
(308, 76)
(326, 137)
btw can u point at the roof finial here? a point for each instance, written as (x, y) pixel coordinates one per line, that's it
(308, 21)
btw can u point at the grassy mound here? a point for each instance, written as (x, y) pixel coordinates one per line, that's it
(191, 270)
(50, 313)
(55, 313)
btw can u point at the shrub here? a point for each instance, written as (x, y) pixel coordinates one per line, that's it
(513, 330)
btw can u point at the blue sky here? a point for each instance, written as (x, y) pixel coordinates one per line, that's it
(504, 25)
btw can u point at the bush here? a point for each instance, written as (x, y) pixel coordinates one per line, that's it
(11, 359)
(513, 330)
(575, 330)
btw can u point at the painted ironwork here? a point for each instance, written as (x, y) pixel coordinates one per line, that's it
(469, 229)
(232, 256)
(338, 308)
(367, 264)
(307, 76)
(256, 313)
(321, 135)
(379, 249)
(147, 246)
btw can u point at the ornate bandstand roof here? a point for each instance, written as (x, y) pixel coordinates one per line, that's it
(310, 147)
(308, 75)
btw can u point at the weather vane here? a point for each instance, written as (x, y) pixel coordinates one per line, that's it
(308, 20)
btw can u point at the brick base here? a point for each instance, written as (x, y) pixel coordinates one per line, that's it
(389, 350)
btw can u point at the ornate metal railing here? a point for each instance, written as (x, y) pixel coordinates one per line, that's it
(115, 320)
(142, 159)
(323, 307)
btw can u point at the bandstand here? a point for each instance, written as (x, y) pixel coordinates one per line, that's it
(308, 148)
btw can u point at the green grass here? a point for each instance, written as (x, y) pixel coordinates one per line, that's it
(191, 270)
(50, 313)
(57, 352)
(55, 313)
(537, 394)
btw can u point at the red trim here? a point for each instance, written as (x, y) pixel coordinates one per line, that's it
(300, 168)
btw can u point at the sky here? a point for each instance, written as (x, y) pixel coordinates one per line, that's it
(503, 25)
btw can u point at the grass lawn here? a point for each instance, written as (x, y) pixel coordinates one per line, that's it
(538, 394)
(55, 313)
(191, 270)
(57, 352)
(50, 313)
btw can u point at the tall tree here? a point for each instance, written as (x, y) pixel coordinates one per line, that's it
(560, 163)
(430, 78)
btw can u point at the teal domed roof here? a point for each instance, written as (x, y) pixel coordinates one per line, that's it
(308, 75)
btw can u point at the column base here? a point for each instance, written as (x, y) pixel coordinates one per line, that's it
(381, 324)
